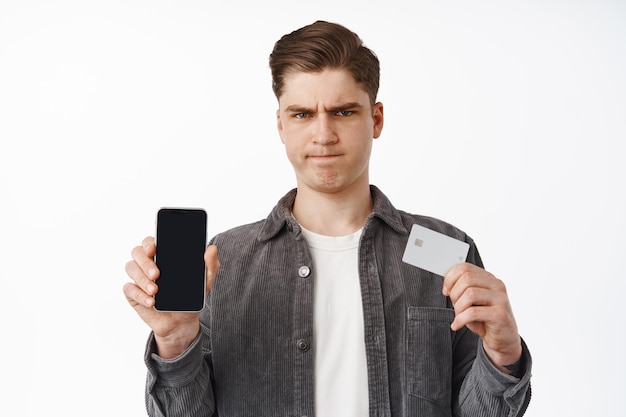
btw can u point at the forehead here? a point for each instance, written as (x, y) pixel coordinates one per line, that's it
(329, 86)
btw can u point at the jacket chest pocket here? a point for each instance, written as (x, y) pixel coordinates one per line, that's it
(429, 360)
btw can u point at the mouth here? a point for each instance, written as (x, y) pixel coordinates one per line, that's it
(324, 156)
(323, 160)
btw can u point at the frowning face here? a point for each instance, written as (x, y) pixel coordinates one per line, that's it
(327, 124)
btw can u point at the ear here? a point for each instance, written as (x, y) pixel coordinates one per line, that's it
(379, 119)
(279, 125)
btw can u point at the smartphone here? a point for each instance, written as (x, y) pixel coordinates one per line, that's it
(180, 245)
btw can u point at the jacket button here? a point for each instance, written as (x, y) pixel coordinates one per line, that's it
(304, 271)
(303, 345)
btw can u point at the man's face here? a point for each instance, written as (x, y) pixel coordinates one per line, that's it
(327, 124)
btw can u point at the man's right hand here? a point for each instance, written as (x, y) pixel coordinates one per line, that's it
(173, 331)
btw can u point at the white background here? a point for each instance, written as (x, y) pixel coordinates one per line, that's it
(506, 119)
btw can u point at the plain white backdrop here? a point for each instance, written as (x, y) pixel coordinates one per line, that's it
(506, 119)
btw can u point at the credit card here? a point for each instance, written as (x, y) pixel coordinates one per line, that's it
(434, 251)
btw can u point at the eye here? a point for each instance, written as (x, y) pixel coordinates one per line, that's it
(344, 113)
(300, 115)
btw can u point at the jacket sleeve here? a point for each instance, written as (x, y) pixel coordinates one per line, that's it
(488, 392)
(485, 391)
(180, 386)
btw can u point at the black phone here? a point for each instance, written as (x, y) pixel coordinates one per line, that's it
(180, 245)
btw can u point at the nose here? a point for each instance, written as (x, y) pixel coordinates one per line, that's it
(324, 131)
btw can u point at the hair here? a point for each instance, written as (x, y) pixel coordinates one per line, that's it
(323, 45)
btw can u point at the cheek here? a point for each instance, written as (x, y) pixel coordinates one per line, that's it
(290, 149)
(292, 139)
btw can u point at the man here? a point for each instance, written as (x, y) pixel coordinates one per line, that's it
(312, 311)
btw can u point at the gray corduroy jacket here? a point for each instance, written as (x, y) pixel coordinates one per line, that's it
(254, 356)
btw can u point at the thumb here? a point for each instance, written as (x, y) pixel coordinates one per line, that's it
(212, 266)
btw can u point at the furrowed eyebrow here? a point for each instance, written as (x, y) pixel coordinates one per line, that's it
(300, 109)
(346, 106)
(297, 109)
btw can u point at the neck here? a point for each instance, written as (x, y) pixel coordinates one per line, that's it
(333, 214)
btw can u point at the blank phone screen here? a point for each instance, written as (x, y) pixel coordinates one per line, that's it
(180, 246)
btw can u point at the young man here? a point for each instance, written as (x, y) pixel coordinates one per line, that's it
(312, 311)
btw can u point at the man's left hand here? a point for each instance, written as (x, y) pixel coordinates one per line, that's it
(481, 303)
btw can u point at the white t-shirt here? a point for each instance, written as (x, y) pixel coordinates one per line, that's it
(339, 341)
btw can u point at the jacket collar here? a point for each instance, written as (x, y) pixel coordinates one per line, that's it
(281, 215)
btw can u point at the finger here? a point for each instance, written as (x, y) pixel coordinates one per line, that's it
(136, 297)
(457, 280)
(454, 274)
(149, 246)
(212, 266)
(468, 277)
(494, 324)
(137, 274)
(474, 318)
(145, 262)
(476, 296)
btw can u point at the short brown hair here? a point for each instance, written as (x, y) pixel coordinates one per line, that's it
(323, 45)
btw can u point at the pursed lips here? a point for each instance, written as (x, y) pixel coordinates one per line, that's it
(323, 155)
(323, 159)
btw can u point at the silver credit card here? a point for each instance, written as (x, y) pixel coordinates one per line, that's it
(434, 251)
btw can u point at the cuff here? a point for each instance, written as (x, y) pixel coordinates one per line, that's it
(513, 389)
(175, 372)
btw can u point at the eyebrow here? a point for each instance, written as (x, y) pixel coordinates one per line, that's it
(295, 108)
